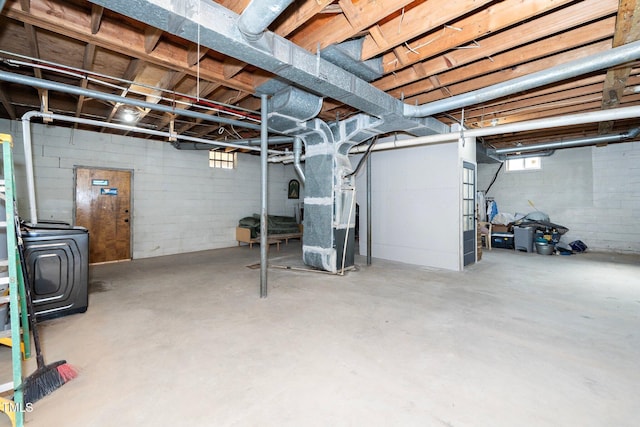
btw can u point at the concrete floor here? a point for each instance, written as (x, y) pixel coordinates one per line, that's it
(515, 340)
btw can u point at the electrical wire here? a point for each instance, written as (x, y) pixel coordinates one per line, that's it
(494, 179)
(364, 158)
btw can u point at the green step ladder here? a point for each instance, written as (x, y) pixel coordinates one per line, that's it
(18, 313)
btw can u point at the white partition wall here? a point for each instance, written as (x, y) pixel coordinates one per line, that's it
(416, 204)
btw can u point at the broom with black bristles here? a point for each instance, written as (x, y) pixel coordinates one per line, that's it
(46, 378)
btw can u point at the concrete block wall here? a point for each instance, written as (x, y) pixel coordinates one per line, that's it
(180, 204)
(593, 191)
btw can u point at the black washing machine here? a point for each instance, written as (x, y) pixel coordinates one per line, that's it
(57, 259)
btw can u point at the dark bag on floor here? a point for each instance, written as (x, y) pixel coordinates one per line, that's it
(578, 246)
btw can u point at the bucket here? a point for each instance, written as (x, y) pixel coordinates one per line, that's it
(544, 248)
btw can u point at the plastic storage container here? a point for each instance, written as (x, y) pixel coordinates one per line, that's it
(57, 259)
(502, 240)
(523, 238)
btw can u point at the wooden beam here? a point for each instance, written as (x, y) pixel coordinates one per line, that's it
(6, 102)
(481, 24)
(416, 20)
(232, 67)
(194, 55)
(352, 13)
(627, 30)
(151, 38)
(112, 36)
(133, 69)
(294, 18)
(25, 5)
(96, 18)
(32, 38)
(511, 73)
(530, 31)
(87, 64)
(89, 55)
(376, 35)
(356, 18)
(562, 44)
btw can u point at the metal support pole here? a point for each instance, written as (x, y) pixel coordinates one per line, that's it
(264, 244)
(369, 210)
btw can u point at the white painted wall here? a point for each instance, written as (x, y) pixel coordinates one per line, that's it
(180, 204)
(415, 205)
(593, 191)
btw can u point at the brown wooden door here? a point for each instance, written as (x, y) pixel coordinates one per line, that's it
(103, 206)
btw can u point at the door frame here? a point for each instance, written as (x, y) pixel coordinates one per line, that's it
(131, 181)
(464, 217)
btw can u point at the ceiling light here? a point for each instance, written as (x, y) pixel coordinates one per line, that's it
(129, 115)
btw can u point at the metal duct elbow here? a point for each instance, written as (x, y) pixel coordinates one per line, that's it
(297, 150)
(258, 15)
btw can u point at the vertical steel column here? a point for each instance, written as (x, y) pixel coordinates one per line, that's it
(264, 244)
(369, 210)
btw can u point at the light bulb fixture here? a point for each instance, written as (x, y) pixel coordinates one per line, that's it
(129, 114)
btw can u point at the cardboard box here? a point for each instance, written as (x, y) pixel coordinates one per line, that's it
(499, 228)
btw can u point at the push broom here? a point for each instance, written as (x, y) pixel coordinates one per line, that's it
(46, 378)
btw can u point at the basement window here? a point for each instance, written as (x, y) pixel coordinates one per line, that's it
(527, 163)
(222, 160)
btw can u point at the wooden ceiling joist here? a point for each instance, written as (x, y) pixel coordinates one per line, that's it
(96, 18)
(627, 29)
(545, 26)
(412, 23)
(6, 102)
(430, 50)
(592, 33)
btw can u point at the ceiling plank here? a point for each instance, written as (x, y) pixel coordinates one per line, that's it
(514, 72)
(356, 18)
(414, 21)
(547, 25)
(566, 41)
(490, 20)
(627, 30)
(298, 16)
(119, 38)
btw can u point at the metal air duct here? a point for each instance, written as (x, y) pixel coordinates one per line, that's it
(258, 15)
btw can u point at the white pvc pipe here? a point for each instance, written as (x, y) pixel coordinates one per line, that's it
(28, 154)
(552, 122)
(28, 163)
